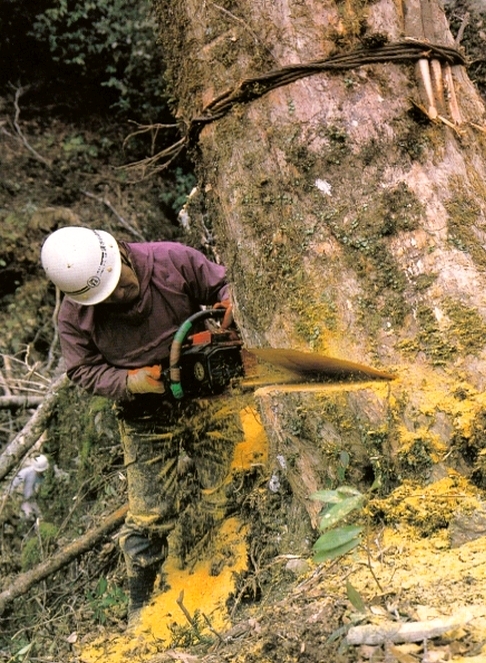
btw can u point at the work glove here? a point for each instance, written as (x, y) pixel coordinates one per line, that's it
(146, 380)
(228, 315)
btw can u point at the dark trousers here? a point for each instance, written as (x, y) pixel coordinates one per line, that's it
(155, 433)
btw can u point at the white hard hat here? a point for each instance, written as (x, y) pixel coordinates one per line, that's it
(85, 264)
(40, 464)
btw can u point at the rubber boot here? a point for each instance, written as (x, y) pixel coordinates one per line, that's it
(140, 588)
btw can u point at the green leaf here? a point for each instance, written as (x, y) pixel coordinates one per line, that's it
(347, 490)
(338, 511)
(336, 552)
(344, 458)
(102, 586)
(355, 597)
(327, 496)
(337, 537)
(334, 496)
(25, 650)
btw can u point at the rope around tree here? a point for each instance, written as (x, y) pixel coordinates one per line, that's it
(251, 88)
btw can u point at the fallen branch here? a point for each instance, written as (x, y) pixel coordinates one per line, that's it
(24, 581)
(173, 655)
(33, 429)
(14, 402)
(378, 634)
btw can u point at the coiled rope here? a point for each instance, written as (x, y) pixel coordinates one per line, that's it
(248, 89)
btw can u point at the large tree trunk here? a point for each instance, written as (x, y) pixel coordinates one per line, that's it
(350, 209)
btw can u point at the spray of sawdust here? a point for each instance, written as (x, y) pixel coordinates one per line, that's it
(195, 597)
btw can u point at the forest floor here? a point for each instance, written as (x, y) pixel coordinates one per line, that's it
(421, 567)
(412, 592)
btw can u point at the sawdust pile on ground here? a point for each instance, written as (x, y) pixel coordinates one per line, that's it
(412, 568)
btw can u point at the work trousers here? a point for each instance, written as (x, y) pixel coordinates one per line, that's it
(155, 434)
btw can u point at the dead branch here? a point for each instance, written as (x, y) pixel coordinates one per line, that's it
(4, 385)
(24, 581)
(180, 603)
(376, 634)
(7, 379)
(33, 429)
(152, 129)
(15, 402)
(462, 27)
(123, 222)
(30, 380)
(18, 93)
(175, 655)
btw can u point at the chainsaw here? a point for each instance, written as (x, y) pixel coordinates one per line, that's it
(205, 362)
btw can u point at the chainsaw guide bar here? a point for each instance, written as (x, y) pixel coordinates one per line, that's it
(205, 362)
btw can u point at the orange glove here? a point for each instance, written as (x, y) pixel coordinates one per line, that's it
(228, 315)
(145, 380)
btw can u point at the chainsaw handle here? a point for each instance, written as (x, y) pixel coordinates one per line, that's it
(175, 349)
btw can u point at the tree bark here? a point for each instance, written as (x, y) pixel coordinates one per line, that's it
(24, 581)
(350, 209)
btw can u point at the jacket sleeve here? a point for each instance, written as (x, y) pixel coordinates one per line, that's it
(85, 365)
(205, 281)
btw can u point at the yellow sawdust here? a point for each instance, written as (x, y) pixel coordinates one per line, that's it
(422, 578)
(197, 588)
(408, 570)
(427, 508)
(254, 448)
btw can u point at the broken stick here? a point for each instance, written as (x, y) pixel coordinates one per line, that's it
(33, 429)
(378, 634)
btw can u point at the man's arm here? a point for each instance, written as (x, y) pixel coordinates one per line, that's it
(86, 367)
(204, 281)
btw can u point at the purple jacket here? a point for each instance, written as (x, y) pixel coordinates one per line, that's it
(100, 343)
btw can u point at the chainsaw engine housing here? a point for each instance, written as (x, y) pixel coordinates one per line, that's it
(210, 362)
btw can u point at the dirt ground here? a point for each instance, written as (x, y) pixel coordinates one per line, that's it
(411, 592)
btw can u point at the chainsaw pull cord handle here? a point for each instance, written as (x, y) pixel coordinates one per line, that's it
(176, 348)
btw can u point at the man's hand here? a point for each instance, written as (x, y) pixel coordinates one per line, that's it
(146, 380)
(228, 315)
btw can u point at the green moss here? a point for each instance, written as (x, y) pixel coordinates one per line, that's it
(84, 443)
(350, 443)
(363, 231)
(376, 441)
(464, 332)
(353, 20)
(424, 281)
(415, 141)
(416, 460)
(470, 447)
(302, 157)
(431, 340)
(98, 409)
(314, 319)
(466, 328)
(465, 214)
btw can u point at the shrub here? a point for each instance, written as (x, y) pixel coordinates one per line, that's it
(110, 44)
